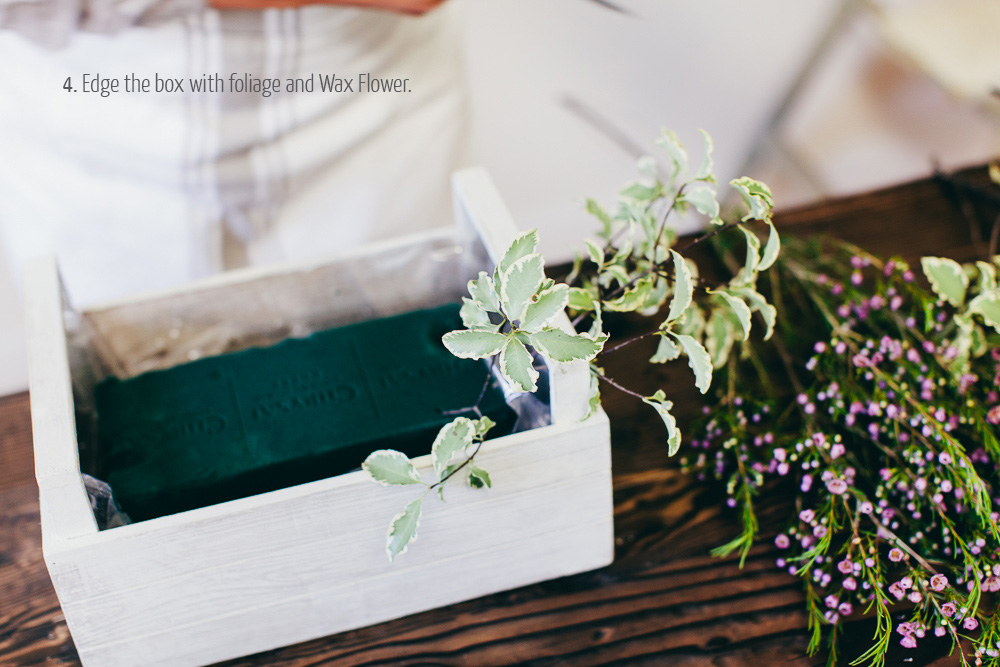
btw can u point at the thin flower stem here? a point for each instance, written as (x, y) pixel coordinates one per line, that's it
(634, 339)
(705, 237)
(464, 463)
(620, 387)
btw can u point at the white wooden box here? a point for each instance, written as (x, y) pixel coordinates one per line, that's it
(308, 561)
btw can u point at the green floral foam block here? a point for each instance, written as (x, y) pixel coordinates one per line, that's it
(254, 421)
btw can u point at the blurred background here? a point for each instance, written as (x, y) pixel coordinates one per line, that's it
(818, 99)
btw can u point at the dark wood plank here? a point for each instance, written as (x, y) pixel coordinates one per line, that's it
(17, 465)
(663, 601)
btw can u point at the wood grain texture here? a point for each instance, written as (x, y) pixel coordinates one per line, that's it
(663, 601)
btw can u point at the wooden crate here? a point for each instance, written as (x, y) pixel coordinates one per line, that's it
(308, 561)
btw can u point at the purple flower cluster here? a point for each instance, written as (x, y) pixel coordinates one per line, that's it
(888, 449)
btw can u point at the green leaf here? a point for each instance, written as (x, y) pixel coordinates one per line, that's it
(515, 365)
(699, 361)
(451, 439)
(756, 196)
(595, 252)
(703, 199)
(596, 210)
(947, 278)
(387, 466)
(683, 287)
(704, 172)
(548, 304)
(474, 344)
(474, 317)
(663, 408)
(666, 350)
(519, 284)
(478, 478)
(561, 346)
(403, 529)
(669, 142)
(987, 305)
(740, 309)
(753, 251)
(483, 292)
(522, 246)
(771, 249)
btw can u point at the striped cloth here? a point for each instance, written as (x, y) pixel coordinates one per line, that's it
(137, 191)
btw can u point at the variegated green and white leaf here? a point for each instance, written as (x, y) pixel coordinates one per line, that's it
(614, 274)
(760, 304)
(623, 252)
(702, 197)
(549, 303)
(599, 212)
(720, 334)
(597, 327)
(389, 467)
(452, 439)
(594, 401)
(771, 249)
(753, 251)
(482, 425)
(987, 276)
(947, 278)
(641, 192)
(666, 350)
(564, 347)
(594, 252)
(683, 287)
(479, 478)
(515, 365)
(669, 142)
(657, 297)
(756, 196)
(484, 293)
(474, 317)
(403, 529)
(663, 408)
(474, 344)
(699, 361)
(519, 284)
(522, 246)
(987, 306)
(705, 171)
(632, 299)
(581, 299)
(740, 309)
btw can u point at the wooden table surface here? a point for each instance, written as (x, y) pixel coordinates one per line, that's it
(663, 601)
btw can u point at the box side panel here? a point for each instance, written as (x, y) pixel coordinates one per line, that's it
(315, 565)
(256, 308)
(53, 423)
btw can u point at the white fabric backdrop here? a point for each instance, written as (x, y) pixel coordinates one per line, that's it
(139, 191)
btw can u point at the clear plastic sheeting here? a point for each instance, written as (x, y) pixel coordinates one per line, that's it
(102, 501)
